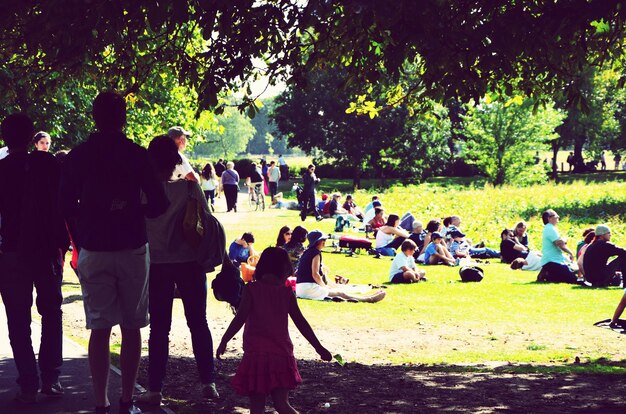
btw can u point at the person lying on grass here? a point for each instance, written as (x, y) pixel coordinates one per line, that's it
(403, 269)
(437, 252)
(268, 365)
(461, 248)
(311, 281)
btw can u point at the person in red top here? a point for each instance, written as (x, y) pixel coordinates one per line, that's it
(268, 365)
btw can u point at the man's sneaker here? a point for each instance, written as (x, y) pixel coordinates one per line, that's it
(149, 398)
(52, 390)
(26, 397)
(319, 218)
(210, 391)
(128, 407)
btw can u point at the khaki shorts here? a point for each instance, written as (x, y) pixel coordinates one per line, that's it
(115, 287)
(311, 291)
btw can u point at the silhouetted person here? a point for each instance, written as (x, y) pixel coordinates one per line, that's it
(31, 254)
(103, 179)
(308, 193)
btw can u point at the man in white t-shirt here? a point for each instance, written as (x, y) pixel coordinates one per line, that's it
(183, 170)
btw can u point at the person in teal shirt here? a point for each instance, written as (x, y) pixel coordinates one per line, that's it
(554, 264)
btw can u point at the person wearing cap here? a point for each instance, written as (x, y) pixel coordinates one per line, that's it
(461, 248)
(335, 209)
(184, 169)
(598, 270)
(437, 253)
(311, 277)
(241, 249)
(553, 246)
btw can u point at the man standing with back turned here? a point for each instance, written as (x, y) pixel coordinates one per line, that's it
(101, 190)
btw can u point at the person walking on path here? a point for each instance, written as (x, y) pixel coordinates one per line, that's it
(273, 175)
(230, 184)
(308, 193)
(554, 265)
(268, 365)
(101, 196)
(31, 254)
(173, 265)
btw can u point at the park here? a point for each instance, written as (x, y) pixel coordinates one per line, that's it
(492, 112)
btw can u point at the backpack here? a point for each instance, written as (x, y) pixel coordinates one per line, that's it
(228, 285)
(340, 223)
(471, 274)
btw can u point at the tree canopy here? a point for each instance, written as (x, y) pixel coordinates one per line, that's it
(460, 49)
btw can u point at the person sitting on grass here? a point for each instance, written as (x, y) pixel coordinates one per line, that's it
(374, 203)
(378, 220)
(510, 248)
(403, 269)
(461, 248)
(583, 241)
(597, 271)
(552, 249)
(432, 226)
(284, 235)
(589, 238)
(390, 236)
(241, 249)
(351, 207)
(437, 252)
(311, 279)
(520, 233)
(418, 236)
(335, 209)
(295, 246)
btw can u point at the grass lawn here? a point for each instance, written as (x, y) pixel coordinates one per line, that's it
(506, 319)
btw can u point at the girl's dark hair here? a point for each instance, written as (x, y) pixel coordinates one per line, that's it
(446, 221)
(391, 220)
(590, 236)
(433, 226)
(274, 261)
(208, 171)
(298, 235)
(378, 210)
(280, 241)
(164, 155)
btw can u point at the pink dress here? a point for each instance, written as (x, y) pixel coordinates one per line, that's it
(268, 362)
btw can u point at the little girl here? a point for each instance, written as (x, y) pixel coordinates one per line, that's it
(268, 365)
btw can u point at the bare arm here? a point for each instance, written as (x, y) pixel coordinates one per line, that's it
(238, 321)
(305, 329)
(561, 244)
(399, 232)
(315, 270)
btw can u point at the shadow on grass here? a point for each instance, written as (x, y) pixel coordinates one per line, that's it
(582, 213)
(72, 299)
(581, 388)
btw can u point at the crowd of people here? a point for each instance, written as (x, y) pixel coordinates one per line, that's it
(122, 214)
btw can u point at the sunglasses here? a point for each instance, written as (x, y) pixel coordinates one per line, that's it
(288, 233)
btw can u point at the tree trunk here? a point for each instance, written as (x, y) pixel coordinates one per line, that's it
(555, 151)
(356, 178)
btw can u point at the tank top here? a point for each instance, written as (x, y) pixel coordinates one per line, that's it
(304, 273)
(383, 239)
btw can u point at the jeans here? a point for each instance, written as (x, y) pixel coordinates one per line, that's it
(483, 253)
(309, 205)
(192, 285)
(17, 278)
(273, 185)
(210, 196)
(391, 247)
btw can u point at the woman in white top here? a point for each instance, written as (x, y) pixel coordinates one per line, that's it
(208, 182)
(389, 237)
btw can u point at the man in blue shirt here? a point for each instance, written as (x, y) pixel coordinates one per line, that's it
(554, 264)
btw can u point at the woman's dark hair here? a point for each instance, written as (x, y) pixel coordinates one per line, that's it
(391, 220)
(590, 236)
(248, 237)
(378, 210)
(587, 231)
(164, 154)
(433, 226)
(310, 166)
(446, 221)
(298, 235)
(274, 261)
(280, 241)
(208, 171)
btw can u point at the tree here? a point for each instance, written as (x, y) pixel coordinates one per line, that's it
(229, 138)
(501, 134)
(266, 138)
(315, 119)
(460, 49)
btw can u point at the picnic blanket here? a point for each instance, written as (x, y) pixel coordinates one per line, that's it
(619, 327)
